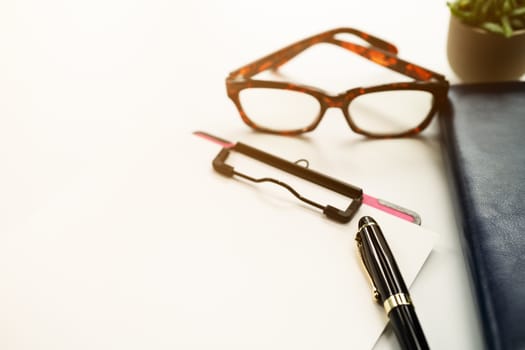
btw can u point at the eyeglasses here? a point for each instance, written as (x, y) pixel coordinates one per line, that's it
(383, 111)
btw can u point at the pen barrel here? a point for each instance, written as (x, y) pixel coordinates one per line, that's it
(407, 328)
(389, 285)
(380, 261)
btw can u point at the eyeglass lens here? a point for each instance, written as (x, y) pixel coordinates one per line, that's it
(278, 109)
(390, 112)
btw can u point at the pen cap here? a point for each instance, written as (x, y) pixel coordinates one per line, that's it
(382, 266)
(366, 220)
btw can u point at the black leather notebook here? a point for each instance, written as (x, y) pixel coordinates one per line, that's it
(483, 131)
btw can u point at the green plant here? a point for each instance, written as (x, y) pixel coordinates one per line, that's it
(497, 16)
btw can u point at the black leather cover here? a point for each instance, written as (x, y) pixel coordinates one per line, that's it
(484, 140)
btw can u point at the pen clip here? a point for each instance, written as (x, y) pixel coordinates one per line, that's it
(341, 215)
(375, 292)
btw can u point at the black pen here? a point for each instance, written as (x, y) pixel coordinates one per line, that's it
(388, 286)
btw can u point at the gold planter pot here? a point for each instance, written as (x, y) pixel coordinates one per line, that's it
(476, 55)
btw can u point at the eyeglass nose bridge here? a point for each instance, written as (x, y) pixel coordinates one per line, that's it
(338, 101)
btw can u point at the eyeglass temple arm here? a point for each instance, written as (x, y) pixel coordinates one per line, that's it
(385, 56)
(389, 61)
(280, 57)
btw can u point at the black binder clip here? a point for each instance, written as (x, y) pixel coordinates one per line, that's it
(350, 191)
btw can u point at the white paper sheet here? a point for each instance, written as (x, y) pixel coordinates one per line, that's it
(159, 251)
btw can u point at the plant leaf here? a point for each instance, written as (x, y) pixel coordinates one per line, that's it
(461, 14)
(507, 6)
(507, 28)
(492, 27)
(518, 11)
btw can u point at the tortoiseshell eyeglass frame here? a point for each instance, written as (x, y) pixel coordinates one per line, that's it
(379, 51)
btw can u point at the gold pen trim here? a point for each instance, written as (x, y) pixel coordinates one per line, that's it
(396, 300)
(368, 224)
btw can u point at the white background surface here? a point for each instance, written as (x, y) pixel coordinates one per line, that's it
(96, 100)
